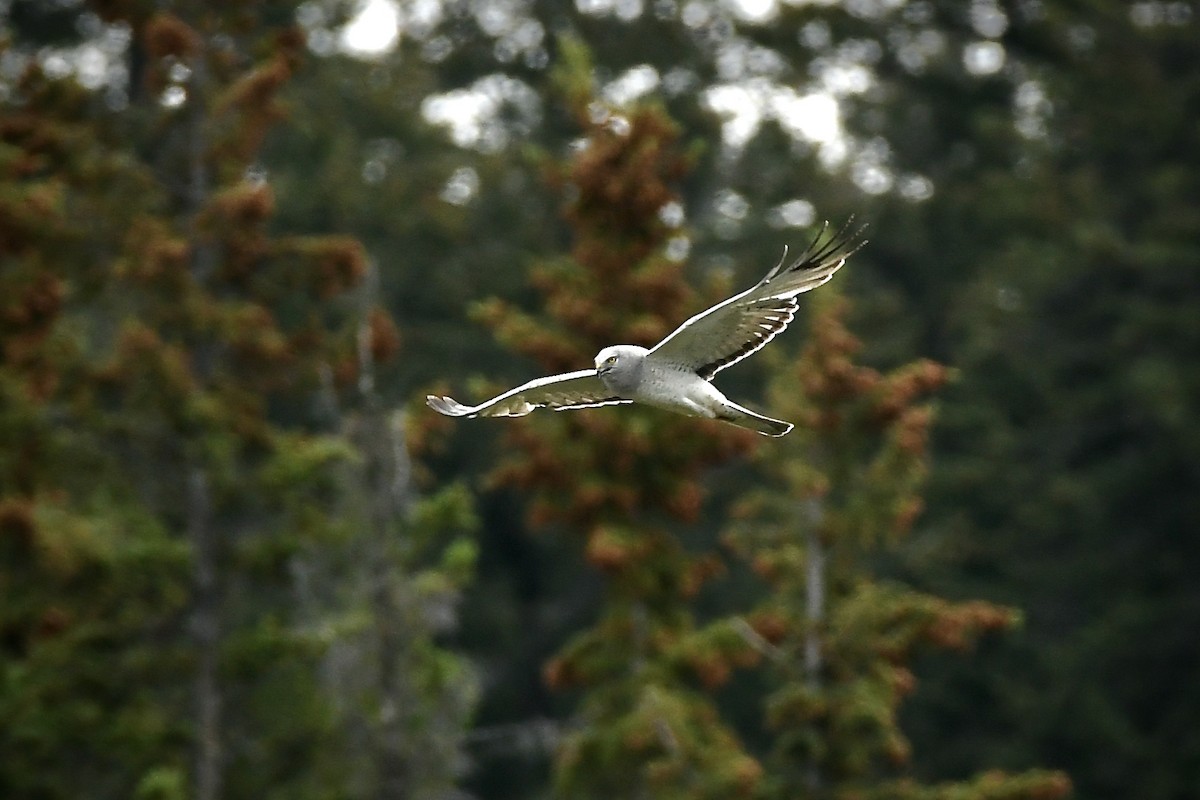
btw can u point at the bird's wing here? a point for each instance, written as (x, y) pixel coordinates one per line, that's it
(737, 327)
(582, 389)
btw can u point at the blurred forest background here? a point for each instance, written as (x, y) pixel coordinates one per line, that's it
(240, 241)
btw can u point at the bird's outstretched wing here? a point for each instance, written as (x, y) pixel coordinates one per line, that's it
(737, 327)
(582, 389)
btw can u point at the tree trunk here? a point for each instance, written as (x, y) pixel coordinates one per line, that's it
(202, 535)
(206, 636)
(388, 485)
(814, 606)
(394, 780)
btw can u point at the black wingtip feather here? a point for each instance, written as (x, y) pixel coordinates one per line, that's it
(841, 245)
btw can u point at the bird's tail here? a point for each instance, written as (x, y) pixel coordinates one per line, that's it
(745, 418)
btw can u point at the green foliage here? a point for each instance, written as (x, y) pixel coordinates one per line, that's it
(89, 588)
(168, 488)
(1033, 227)
(843, 487)
(162, 784)
(616, 479)
(646, 669)
(93, 582)
(1051, 267)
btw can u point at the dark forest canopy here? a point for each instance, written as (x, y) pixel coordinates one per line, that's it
(239, 243)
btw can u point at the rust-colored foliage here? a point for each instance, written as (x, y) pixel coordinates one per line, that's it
(17, 524)
(340, 263)
(956, 625)
(557, 674)
(156, 339)
(844, 484)
(617, 477)
(34, 306)
(383, 336)
(53, 621)
(242, 204)
(618, 286)
(770, 624)
(257, 88)
(253, 102)
(166, 35)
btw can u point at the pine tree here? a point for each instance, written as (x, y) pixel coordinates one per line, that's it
(1052, 266)
(844, 488)
(93, 582)
(620, 480)
(222, 322)
(173, 479)
(407, 558)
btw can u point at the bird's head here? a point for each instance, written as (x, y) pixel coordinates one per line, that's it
(608, 359)
(619, 366)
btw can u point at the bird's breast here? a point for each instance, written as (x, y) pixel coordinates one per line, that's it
(678, 390)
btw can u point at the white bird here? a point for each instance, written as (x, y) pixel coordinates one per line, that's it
(676, 373)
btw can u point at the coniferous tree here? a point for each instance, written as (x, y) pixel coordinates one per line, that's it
(1051, 265)
(1047, 257)
(843, 488)
(92, 580)
(236, 318)
(174, 479)
(408, 557)
(621, 480)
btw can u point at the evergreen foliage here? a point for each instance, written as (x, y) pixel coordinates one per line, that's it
(173, 492)
(851, 484)
(231, 250)
(1053, 264)
(616, 479)
(839, 639)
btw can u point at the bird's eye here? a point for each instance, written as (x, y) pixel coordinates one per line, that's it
(610, 360)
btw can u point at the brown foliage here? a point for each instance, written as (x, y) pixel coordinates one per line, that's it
(340, 262)
(904, 386)
(955, 626)
(912, 430)
(699, 572)
(38, 304)
(166, 256)
(289, 43)
(256, 90)
(243, 205)
(17, 522)
(25, 323)
(907, 514)
(685, 501)
(747, 774)
(772, 626)
(383, 335)
(53, 621)
(558, 674)
(902, 681)
(1053, 787)
(165, 34)
(609, 550)
(711, 668)
(612, 475)
(256, 343)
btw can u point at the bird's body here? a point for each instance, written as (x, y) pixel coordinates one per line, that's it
(676, 374)
(673, 387)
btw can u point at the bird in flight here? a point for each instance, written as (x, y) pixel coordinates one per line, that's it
(676, 374)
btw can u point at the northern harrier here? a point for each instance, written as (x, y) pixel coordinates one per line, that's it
(676, 373)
